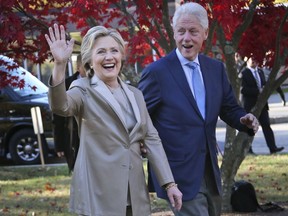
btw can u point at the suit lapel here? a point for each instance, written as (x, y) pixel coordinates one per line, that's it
(135, 108)
(103, 90)
(178, 74)
(252, 77)
(262, 77)
(106, 94)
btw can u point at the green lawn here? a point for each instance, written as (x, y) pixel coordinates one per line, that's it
(37, 191)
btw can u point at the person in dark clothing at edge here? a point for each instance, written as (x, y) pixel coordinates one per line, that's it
(253, 81)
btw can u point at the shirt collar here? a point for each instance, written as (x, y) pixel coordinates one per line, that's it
(185, 61)
(252, 69)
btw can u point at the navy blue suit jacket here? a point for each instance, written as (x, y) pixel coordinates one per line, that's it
(185, 134)
(249, 89)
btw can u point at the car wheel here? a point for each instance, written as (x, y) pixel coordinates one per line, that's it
(24, 148)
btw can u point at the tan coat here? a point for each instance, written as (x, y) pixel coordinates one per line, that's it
(109, 159)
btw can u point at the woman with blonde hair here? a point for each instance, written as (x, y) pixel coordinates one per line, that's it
(113, 121)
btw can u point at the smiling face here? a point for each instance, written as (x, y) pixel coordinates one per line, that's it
(189, 36)
(106, 58)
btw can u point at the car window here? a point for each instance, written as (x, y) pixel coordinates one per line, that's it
(32, 85)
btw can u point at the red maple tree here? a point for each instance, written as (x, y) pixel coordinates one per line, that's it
(145, 24)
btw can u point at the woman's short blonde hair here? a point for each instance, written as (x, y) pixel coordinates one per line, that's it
(89, 40)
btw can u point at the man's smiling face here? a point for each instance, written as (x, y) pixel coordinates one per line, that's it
(189, 36)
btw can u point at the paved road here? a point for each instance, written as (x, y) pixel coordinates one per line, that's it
(279, 123)
(259, 144)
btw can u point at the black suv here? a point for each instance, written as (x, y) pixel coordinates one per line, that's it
(17, 137)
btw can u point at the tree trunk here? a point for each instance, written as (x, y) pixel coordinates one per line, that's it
(236, 148)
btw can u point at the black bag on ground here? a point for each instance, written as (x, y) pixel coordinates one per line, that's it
(243, 197)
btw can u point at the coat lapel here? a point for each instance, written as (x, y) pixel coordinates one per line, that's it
(103, 90)
(134, 105)
(177, 72)
(251, 75)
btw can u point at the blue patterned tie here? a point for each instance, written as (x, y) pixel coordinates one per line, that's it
(257, 78)
(198, 87)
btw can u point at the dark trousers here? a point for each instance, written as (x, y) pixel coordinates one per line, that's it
(264, 120)
(281, 93)
(129, 211)
(207, 202)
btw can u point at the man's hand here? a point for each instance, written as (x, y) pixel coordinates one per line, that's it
(250, 121)
(60, 154)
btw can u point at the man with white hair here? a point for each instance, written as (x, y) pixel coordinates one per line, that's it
(185, 92)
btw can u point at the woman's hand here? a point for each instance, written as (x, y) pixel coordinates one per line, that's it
(60, 47)
(175, 196)
(61, 50)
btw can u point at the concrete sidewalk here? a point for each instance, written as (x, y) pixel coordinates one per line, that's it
(279, 123)
(277, 112)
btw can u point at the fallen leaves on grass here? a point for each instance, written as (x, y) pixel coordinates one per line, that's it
(48, 187)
